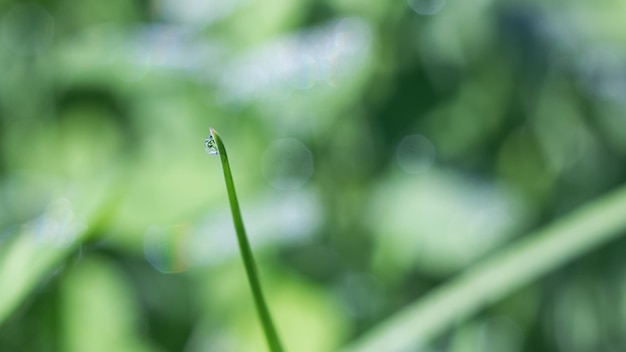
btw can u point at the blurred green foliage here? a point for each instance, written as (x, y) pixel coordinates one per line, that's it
(380, 150)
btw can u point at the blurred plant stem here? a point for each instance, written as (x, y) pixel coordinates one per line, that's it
(511, 268)
(246, 252)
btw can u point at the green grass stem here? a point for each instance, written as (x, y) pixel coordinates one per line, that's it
(271, 334)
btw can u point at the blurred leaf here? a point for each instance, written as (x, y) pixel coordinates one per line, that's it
(99, 313)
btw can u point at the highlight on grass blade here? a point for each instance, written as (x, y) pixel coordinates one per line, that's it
(214, 146)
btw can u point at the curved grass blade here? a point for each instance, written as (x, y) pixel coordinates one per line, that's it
(26, 261)
(271, 335)
(521, 263)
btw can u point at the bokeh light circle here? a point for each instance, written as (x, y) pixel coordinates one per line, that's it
(58, 226)
(415, 154)
(166, 248)
(427, 7)
(287, 164)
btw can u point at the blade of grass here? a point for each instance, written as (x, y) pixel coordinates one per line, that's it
(246, 253)
(521, 263)
(27, 261)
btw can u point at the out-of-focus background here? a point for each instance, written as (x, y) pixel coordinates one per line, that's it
(380, 149)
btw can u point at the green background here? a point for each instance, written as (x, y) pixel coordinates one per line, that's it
(382, 152)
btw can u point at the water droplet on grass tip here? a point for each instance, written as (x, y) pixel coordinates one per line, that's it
(210, 146)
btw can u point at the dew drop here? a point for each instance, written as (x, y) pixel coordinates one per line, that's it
(210, 146)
